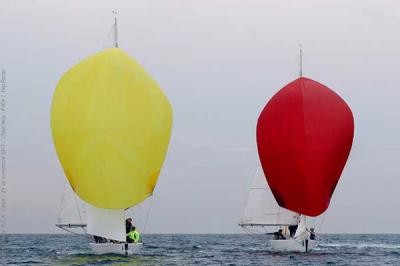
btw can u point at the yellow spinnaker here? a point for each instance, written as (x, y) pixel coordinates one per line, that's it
(111, 125)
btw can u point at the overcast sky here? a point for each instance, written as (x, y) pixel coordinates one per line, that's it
(218, 62)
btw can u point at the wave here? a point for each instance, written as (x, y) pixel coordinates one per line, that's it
(361, 246)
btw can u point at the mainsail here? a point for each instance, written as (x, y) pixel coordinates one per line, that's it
(261, 208)
(304, 137)
(302, 232)
(108, 223)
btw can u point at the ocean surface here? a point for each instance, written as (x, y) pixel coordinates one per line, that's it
(201, 250)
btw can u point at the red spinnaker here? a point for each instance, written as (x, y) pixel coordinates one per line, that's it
(304, 137)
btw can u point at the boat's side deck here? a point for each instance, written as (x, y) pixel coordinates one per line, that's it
(293, 245)
(116, 248)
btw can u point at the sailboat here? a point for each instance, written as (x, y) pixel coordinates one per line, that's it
(304, 137)
(111, 125)
(262, 211)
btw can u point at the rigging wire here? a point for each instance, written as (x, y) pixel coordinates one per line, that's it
(140, 214)
(147, 214)
(322, 221)
(79, 211)
(69, 231)
(301, 59)
(62, 201)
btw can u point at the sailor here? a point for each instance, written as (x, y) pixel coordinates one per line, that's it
(279, 235)
(128, 225)
(133, 236)
(96, 238)
(292, 230)
(99, 239)
(312, 234)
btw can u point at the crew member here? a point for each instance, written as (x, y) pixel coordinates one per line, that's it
(312, 234)
(279, 235)
(128, 225)
(292, 230)
(133, 236)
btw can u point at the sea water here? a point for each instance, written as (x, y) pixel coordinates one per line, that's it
(170, 249)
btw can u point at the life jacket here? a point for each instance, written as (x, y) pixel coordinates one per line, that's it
(134, 235)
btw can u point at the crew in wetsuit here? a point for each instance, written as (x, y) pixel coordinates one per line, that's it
(312, 234)
(96, 239)
(128, 225)
(292, 230)
(279, 235)
(99, 239)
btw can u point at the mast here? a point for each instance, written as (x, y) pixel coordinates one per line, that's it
(301, 59)
(115, 29)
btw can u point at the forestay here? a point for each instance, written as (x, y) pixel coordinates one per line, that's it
(262, 208)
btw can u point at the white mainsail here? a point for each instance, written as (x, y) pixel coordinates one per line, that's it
(262, 209)
(301, 232)
(107, 223)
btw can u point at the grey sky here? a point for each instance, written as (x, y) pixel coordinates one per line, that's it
(219, 62)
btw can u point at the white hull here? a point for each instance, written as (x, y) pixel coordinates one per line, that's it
(110, 248)
(292, 245)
